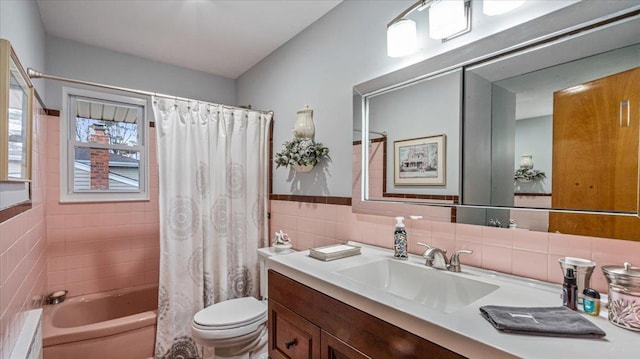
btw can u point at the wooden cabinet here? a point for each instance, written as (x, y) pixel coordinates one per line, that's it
(595, 156)
(290, 335)
(334, 348)
(304, 323)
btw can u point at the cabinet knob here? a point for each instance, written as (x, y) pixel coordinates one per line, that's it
(290, 343)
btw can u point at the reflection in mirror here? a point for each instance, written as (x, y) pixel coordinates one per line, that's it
(377, 154)
(556, 136)
(510, 167)
(16, 94)
(413, 160)
(533, 97)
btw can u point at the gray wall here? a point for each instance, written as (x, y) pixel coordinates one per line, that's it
(503, 134)
(79, 61)
(346, 47)
(318, 68)
(476, 151)
(20, 23)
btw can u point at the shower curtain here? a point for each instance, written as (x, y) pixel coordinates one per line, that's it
(212, 164)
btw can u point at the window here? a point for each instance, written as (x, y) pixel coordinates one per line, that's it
(103, 152)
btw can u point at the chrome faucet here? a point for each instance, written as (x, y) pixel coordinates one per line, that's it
(437, 258)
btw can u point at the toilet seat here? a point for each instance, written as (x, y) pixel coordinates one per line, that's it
(232, 318)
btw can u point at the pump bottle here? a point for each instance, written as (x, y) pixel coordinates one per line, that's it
(400, 240)
(570, 290)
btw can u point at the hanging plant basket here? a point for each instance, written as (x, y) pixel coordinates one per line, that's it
(524, 175)
(302, 154)
(302, 169)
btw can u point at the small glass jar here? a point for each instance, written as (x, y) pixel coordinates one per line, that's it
(591, 302)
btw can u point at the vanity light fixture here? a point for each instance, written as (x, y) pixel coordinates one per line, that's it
(499, 7)
(447, 19)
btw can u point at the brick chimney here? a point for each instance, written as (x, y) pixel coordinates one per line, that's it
(99, 158)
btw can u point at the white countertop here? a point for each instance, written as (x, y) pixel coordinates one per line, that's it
(464, 331)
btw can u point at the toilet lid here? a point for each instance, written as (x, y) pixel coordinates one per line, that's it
(231, 313)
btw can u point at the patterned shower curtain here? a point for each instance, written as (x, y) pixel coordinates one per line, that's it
(212, 164)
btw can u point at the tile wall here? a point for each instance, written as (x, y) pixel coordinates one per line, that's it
(23, 258)
(95, 247)
(520, 252)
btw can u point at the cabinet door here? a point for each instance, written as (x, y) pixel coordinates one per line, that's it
(595, 156)
(290, 335)
(334, 348)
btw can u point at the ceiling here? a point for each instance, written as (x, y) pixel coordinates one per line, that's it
(221, 37)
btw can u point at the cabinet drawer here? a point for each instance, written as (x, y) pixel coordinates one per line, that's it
(290, 335)
(334, 348)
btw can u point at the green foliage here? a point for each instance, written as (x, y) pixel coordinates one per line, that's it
(528, 175)
(301, 151)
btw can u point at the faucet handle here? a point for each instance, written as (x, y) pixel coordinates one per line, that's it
(454, 263)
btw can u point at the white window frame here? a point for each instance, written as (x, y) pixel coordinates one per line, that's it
(68, 141)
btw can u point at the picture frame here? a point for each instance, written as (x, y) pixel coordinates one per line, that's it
(420, 161)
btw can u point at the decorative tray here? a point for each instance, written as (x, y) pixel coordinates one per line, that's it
(336, 251)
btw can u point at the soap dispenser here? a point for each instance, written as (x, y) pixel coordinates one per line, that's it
(400, 240)
(569, 290)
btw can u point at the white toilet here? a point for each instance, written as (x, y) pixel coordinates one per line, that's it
(237, 328)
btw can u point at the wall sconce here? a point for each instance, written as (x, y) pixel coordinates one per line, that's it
(499, 7)
(447, 19)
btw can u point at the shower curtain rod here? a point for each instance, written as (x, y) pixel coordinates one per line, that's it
(36, 75)
(383, 133)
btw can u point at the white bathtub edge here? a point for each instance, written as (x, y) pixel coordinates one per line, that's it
(29, 343)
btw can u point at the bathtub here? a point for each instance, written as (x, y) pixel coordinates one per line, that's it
(114, 324)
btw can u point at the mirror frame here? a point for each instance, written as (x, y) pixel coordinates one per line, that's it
(9, 59)
(463, 57)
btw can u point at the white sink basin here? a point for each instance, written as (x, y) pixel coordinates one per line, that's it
(433, 288)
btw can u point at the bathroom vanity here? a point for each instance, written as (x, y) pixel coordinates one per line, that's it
(372, 306)
(305, 323)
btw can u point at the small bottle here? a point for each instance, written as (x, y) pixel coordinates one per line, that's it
(570, 290)
(400, 240)
(591, 302)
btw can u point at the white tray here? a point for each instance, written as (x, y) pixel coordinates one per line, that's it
(336, 251)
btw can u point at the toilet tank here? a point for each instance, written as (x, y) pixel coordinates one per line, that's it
(263, 254)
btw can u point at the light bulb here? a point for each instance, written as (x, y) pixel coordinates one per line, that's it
(446, 18)
(401, 38)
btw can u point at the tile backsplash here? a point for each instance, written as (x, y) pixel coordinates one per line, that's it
(514, 251)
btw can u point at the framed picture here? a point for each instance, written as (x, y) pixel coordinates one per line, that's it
(420, 161)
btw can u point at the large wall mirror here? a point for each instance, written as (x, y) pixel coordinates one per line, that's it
(529, 153)
(16, 96)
